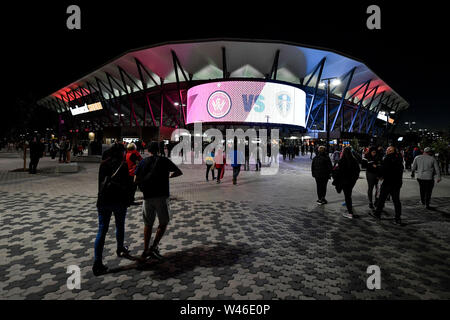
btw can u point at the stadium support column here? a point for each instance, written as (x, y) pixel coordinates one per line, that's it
(367, 84)
(376, 109)
(327, 114)
(224, 64)
(341, 103)
(319, 68)
(60, 119)
(176, 64)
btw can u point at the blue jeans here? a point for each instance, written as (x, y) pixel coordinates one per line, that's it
(104, 217)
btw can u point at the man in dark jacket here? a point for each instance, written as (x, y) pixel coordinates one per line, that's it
(153, 175)
(37, 149)
(321, 168)
(392, 175)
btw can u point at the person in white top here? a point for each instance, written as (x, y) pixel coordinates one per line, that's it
(427, 168)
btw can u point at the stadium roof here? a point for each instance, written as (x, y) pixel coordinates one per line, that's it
(209, 59)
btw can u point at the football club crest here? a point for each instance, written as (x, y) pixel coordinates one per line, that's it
(283, 103)
(219, 104)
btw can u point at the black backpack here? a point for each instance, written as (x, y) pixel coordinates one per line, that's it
(147, 173)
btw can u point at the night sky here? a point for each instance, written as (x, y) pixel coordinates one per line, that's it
(408, 53)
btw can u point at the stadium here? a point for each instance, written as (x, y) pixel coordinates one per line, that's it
(304, 91)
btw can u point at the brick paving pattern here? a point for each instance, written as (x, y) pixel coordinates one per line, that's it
(262, 239)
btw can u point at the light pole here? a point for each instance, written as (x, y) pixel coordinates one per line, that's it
(326, 120)
(410, 124)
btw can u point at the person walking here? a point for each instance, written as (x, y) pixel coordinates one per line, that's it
(36, 152)
(153, 175)
(54, 147)
(63, 147)
(321, 168)
(348, 170)
(391, 173)
(336, 157)
(257, 155)
(209, 160)
(427, 169)
(247, 156)
(220, 161)
(113, 198)
(133, 157)
(373, 164)
(237, 159)
(311, 150)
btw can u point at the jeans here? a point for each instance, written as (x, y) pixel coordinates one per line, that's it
(236, 171)
(210, 167)
(426, 188)
(63, 155)
(33, 164)
(321, 188)
(258, 165)
(372, 181)
(220, 173)
(104, 217)
(394, 191)
(347, 189)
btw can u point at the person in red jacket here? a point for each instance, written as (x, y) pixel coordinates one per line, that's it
(220, 161)
(133, 157)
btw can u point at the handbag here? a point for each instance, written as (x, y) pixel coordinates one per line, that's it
(337, 178)
(107, 183)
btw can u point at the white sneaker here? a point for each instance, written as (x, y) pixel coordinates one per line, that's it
(347, 215)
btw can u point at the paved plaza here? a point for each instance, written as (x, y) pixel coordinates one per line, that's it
(264, 238)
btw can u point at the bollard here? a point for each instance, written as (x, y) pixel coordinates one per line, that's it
(24, 157)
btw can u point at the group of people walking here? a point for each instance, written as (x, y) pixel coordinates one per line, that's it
(218, 160)
(384, 175)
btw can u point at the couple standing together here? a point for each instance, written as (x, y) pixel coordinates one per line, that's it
(115, 186)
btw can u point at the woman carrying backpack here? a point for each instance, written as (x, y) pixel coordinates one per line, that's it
(113, 197)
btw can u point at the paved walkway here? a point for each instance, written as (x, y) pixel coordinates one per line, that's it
(264, 238)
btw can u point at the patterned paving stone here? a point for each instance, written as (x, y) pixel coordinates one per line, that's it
(267, 240)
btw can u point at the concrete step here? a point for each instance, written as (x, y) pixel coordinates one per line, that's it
(71, 167)
(95, 159)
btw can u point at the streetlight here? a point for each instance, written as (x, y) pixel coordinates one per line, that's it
(326, 82)
(410, 124)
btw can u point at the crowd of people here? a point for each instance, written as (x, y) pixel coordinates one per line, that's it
(384, 175)
(124, 169)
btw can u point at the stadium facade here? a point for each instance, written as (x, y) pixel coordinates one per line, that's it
(149, 92)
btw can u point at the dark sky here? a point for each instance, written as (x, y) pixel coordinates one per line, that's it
(409, 52)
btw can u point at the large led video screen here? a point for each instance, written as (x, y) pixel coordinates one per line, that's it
(246, 101)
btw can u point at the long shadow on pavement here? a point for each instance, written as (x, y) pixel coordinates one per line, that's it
(179, 262)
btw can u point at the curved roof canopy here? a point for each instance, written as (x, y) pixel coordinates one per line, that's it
(209, 59)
